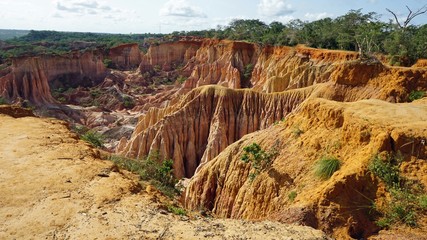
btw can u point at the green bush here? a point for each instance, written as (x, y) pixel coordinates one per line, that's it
(297, 131)
(292, 195)
(247, 71)
(386, 170)
(406, 201)
(177, 210)
(415, 95)
(108, 63)
(3, 101)
(128, 102)
(181, 79)
(259, 159)
(94, 138)
(422, 201)
(326, 166)
(151, 168)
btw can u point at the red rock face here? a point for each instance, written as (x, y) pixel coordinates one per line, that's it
(168, 56)
(126, 56)
(29, 77)
(221, 62)
(195, 129)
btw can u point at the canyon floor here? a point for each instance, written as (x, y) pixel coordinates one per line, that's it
(54, 186)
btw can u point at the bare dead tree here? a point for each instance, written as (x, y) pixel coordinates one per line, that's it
(411, 15)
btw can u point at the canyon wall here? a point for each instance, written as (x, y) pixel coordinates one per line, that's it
(169, 56)
(125, 56)
(30, 77)
(222, 62)
(196, 128)
(206, 121)
(352, 132)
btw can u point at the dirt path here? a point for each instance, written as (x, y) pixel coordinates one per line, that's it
(53, 186)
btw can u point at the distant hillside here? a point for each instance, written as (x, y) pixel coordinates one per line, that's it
(6, 34)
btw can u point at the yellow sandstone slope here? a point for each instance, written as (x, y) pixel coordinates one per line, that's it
(53, 186)
(352, 132)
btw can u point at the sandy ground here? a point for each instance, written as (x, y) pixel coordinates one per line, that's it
(54, 186)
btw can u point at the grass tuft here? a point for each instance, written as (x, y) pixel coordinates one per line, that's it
(94, 138)
(326, 166)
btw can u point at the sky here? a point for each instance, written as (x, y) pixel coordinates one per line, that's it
(165, 16)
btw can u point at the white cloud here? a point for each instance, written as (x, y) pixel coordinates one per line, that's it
(317, 16)
(274, 8)
(81, 6)
(181, 8)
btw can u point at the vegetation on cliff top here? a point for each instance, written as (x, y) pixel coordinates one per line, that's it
(354, 31)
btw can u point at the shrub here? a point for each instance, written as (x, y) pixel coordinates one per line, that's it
(422, 201)
(3, 101)
(386, 170)
(94, 138)
(181, 79)
(177, 210)
(326, 166)
(297, 131)
(108, 63)
(405, 201)
(128, 102)
(259, 159)
(415, 95)
(247, 71)
(292, 195)
(153, 169)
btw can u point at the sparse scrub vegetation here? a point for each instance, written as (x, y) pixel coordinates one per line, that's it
(297, 131)
(151, 168)
(181, 79)
(177, 210)
(247, 71)
(94, 138)
(415, 95)
(407, 198)
(292, 195)
(3, 101)
(258, 158)
(326, 167)
(128, 102)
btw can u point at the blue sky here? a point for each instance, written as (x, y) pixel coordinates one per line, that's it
(140, 16)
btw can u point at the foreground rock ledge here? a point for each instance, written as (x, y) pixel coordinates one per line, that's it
(51, 188)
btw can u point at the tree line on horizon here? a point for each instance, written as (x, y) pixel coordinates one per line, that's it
(404, 43)
(354, 31)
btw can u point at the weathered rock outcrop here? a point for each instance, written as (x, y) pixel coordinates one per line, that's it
(205, 122)
(31, 77)
(199, 126)
(353, 132)
(222, 62)
(125, 56)
(168, 56)
(281, 68)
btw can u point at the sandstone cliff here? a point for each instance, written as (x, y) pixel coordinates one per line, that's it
(205, 121)
(222, 62)
(168, 56)
(31, 77)
(125, 56)
(199, 126)
(353, 132)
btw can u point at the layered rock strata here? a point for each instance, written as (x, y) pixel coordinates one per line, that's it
(30, 77)
(125, 56)
(352, 132)
(206, 121)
